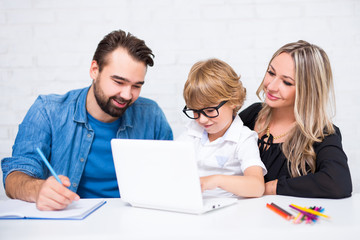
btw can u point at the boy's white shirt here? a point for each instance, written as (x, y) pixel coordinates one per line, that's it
(230, 154)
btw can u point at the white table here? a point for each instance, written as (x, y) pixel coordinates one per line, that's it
(248, 219)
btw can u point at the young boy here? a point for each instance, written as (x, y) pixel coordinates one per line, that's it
(227, 153)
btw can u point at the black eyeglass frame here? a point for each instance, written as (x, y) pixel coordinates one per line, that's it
(201, 111)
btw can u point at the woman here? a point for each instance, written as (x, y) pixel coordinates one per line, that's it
(298, 143)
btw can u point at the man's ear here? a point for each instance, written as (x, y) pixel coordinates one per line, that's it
(94, 70)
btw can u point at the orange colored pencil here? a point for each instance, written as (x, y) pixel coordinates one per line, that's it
(284, 215)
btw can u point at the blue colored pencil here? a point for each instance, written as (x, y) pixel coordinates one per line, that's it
(48, 165)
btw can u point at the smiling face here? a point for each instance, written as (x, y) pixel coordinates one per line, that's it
(216, 127)
(117, 86)
(279, 82)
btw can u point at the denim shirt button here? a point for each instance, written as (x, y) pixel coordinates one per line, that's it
(89, 135)
(74, 184)
(82, 159)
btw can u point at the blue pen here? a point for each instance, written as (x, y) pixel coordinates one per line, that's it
(48, 165)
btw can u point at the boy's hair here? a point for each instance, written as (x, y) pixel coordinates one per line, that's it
(120, 39)
(211, 82)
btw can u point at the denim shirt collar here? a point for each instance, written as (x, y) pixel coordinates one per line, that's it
(80, 112)
(80, 107)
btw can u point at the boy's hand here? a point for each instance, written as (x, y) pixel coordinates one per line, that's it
(209, 182)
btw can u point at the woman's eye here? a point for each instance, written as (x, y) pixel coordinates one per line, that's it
(271, 73)
(288, 83)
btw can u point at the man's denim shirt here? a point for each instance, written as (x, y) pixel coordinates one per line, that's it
(58, 125)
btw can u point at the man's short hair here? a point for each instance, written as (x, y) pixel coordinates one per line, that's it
(120, 39)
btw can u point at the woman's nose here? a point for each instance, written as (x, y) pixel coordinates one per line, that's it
(273, 84)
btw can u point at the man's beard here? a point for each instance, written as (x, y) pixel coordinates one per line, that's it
(105, 103)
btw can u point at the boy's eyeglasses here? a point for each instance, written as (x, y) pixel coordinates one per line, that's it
(210, 112)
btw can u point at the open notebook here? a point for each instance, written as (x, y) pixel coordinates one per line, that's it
(17, 209)
(161, 175)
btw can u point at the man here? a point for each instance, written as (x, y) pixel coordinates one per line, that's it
(74, 130)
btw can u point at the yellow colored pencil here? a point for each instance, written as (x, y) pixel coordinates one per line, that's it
(297, 218)
(310, 211)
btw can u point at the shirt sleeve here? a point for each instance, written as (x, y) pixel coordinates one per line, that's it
(332, 176)
(33, 132)
(248, 152)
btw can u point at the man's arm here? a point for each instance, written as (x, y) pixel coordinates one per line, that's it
(48, 194)
(19, 185)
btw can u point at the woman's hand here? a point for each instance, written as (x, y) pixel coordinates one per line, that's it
(270, 187)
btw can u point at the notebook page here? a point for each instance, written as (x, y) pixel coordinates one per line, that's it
(21, 209)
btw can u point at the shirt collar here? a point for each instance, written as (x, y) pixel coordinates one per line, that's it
(80, 107)
(232, 134)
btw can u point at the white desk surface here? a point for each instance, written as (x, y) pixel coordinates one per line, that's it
(248, 219)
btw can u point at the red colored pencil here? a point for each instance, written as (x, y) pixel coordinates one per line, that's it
(284, 215)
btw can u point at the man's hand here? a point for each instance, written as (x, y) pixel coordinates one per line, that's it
(55, 196)
(48, 194)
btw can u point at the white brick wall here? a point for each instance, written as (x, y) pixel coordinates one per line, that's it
(46, 46)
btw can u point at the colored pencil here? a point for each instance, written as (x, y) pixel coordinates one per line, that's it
(316, 209)
(309, 215)
(308, 211)
(297, 219)
(48, 165)
(274, 209)
(281, 209)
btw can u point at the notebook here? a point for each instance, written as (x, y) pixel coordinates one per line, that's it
(78, 210)
(161, 174)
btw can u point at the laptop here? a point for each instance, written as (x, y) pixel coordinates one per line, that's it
(161, 174)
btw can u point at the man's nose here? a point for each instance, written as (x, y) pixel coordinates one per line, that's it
(125, 93)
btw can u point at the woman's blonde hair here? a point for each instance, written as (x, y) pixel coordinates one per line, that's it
(313, 109)
(211, 82)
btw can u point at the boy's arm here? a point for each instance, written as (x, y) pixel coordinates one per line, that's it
(249, 185)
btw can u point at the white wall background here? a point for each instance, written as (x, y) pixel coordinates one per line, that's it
(46, 46)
